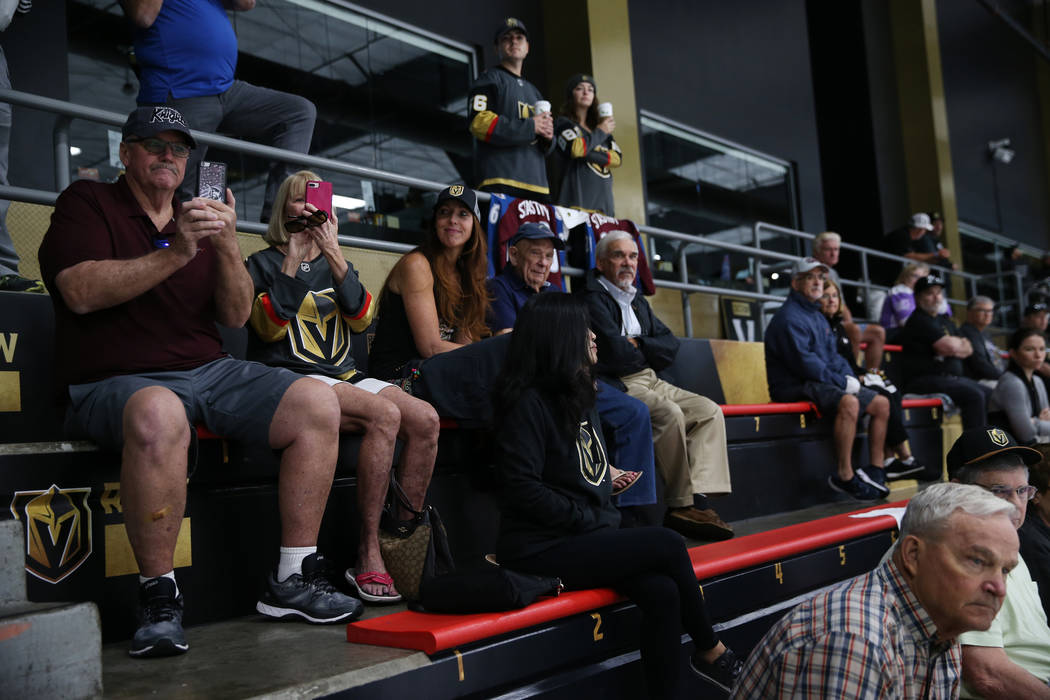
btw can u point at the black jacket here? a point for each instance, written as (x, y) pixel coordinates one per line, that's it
(616, 356)
(978, 365)
(551, 486)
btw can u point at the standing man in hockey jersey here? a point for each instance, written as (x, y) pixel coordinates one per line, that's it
(512, 139)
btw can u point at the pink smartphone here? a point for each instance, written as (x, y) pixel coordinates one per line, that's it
(319, 194)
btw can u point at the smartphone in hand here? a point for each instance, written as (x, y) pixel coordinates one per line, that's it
(211, 180)
(319, 194)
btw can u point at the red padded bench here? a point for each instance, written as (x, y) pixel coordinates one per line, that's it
(432, 633)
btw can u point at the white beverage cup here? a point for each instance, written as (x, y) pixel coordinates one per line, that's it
(605, 109)
(543, 107)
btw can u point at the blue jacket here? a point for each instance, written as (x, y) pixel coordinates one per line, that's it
(800, 347)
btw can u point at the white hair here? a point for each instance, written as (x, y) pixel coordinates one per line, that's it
(600, 253)
(929, 511)
(818, 240)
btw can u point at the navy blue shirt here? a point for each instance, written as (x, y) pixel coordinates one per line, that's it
(509, 293)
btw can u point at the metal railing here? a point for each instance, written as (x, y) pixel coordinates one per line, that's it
(68, 111)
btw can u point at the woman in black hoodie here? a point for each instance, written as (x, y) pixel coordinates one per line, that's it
(556, 517)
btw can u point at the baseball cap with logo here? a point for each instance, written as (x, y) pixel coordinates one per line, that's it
(977, 444)
(462, 194)
(510, 24)
(1034, 309)
(144, 122)
(926, 282)
(535, 231)
(921, 220)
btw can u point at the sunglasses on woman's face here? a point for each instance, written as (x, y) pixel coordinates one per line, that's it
(300, 223)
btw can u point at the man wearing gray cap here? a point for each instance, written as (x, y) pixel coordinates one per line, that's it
(138, 282)
(803, 365)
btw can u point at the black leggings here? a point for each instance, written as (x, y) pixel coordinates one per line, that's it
(650, 566)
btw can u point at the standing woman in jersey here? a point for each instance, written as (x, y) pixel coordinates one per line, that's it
(555, 515)
(435, 299)
(585, 151)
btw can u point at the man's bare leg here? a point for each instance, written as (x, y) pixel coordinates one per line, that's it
(844, 432)
(153, 476)
(306, 427)
(879, 410)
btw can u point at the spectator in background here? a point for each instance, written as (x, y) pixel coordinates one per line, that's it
(625, 419)
(985, 364)
(10, 280)
(585, 151)
(900, 303)
(802, 364)
(1035, 316)
(142, 281)
(555, 514)
(917, 242)
(1035, 532)
(894, 632)
(434, 300)
(903, 465)
(933, 355)
(826, 248)
(689, 430)
(308, 302)
(1020, 393)
(1010, 658)
(187, 52)
(512, 138)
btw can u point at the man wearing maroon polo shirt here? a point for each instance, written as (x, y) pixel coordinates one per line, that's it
(138, 282)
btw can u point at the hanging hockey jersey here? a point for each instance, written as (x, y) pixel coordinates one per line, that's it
(509, 152)
(506, 215)
(599, 225)
(581, 165)
(304, 323)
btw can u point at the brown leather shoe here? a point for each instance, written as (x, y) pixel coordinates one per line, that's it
(698, 524)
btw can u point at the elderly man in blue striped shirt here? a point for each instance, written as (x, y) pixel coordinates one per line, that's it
(893, 633)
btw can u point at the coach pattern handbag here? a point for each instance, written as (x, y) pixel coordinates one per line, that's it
(413, 550)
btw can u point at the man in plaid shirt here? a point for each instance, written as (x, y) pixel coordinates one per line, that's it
(892, 633)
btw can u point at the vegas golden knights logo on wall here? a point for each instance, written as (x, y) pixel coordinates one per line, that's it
(58, 530)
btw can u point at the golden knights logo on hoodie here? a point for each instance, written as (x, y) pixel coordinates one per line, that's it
(58, 530)
(591, 454)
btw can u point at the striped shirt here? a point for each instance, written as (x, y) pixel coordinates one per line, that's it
(867, 638)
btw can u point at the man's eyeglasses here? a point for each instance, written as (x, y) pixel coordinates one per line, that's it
(300, 223)
(158, 146)
(1025, 493)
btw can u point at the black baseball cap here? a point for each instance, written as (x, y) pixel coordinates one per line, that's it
(144, 122)
(977, 444)
(510, 24)
(926, 282)
(1034, 309)
(535, 231)
(462, 194)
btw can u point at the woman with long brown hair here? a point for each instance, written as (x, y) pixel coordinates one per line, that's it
(434, 300)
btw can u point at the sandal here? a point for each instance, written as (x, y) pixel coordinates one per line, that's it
(624, 481)
(359, 580)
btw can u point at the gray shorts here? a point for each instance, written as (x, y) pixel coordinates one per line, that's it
(827, 397)
(232, 398)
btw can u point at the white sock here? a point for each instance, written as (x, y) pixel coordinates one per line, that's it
(170, 574)
(292, 561)
(910, 460)
(887, 462)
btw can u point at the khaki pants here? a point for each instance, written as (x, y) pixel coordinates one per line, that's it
(689, 438)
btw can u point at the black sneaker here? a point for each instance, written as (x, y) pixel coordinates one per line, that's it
(902, 470)
(17, 283)
(309, 596)
(856, 488)
(724, 672)
(874, 477)
(160, 621)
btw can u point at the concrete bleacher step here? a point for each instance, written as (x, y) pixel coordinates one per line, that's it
(46, 649)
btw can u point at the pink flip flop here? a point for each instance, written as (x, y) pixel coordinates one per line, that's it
(359, 580)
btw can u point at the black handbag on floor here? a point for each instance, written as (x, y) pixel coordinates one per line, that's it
(415, 550)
